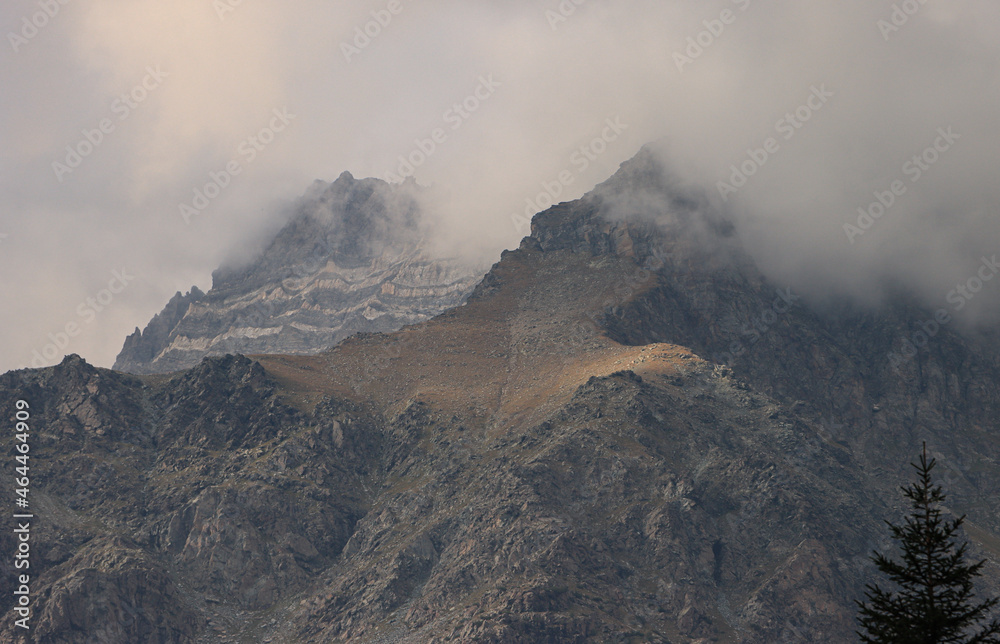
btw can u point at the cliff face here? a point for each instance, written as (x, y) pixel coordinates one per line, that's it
(348, 261)
(562, 459)
(847, 367)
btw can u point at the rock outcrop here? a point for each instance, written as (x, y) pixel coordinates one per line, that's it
(626, 434)
(350, 260)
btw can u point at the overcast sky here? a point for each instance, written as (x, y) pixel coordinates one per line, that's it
(114, 112)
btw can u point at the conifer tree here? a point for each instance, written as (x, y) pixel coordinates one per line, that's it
(934, 603)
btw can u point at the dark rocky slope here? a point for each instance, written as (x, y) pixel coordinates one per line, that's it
(559, 460)
(845, 366)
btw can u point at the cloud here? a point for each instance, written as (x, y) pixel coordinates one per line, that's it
(881, 185)
(555, 78)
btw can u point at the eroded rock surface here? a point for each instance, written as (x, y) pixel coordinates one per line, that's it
(350, 260)
(561, 459)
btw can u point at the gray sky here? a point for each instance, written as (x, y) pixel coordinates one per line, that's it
(515, 94)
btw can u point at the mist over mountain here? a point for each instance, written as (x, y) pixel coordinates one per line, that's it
(848, 102)
(628, 432)
(607, 321)
(351, 259)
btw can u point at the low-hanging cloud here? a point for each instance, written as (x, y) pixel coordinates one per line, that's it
(816, 109)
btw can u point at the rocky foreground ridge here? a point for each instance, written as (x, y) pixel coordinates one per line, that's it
(562, 459)
(349, 260)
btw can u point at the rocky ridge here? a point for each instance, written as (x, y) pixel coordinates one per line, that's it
(349, 260)
(562, 459)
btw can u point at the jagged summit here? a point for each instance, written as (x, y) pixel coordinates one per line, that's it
(644, 208)
(350, 259)
(622, 436)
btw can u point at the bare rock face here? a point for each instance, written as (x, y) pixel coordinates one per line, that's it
(349, 261)
(169, 510)
(565, 458)
(113, 592)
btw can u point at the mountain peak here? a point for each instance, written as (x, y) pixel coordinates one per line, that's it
(625, 409)
(644, 209)
(348, 260)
